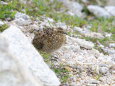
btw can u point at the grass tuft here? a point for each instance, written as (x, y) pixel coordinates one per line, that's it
(3, 27)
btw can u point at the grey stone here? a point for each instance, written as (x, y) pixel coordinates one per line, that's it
(25, 52)
(98, 11)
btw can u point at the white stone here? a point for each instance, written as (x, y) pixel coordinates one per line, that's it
(87, 33)
(1, 23)
(108, 34)
(22, 22)
(109, 50)
(93, 81)
(22, 19)
(103, 70)
(111, 10)
(112, 45)
(3, 44)
(4, 3)
(21, 15)
(70, 13)
(111, 2)
(25, 52)
(73, 7)
(98, 11)
(50, 19)
(78, 29)
(12, 73)
(84, 43)
(94, 35)
(85, 1)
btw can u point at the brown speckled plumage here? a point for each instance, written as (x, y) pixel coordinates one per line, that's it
(50, 39)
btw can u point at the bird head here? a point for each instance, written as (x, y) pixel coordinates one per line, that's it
(61, 30)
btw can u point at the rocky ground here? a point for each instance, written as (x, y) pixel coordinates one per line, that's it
(86, 59)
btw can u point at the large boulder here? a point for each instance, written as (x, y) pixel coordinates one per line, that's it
(12, 72)
(98, 11)
(30, 59)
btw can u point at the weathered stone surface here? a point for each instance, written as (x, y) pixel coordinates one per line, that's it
(98, 11)
(74, 8)
(111, 10)
(112, 45)
(111, 2)
(25, 53)
(22, 19)
(109, 50)
(87, 33)
(12, 73)
(3, 3)
(82, 56)
(85, 44)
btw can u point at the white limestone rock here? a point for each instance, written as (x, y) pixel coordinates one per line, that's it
(112, 45)
(87, 33)
(3, 44)
(98, 11)
(22, 19)
(74, 7)
(94, 35)
(12, 73)
(109, 50)
(3, 3)
(103, 70)
(111, 2)
(81, 42)
(111, 10)
(25, 53)
(85, 44)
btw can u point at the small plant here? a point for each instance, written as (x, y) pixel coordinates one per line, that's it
(46, 56)
(113, 37)
(94, 40)
(101, 50)
(69, 20)
(9, 10)
(98, 76)
(3, 27)
(62, 73)
(105, 25)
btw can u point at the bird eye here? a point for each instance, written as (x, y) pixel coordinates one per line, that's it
(64, 33)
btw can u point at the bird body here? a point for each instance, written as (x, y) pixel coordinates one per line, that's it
(49, 39)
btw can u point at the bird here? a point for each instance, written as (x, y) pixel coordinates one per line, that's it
(49, 39)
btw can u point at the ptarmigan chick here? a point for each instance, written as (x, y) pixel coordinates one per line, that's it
(50, 39)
